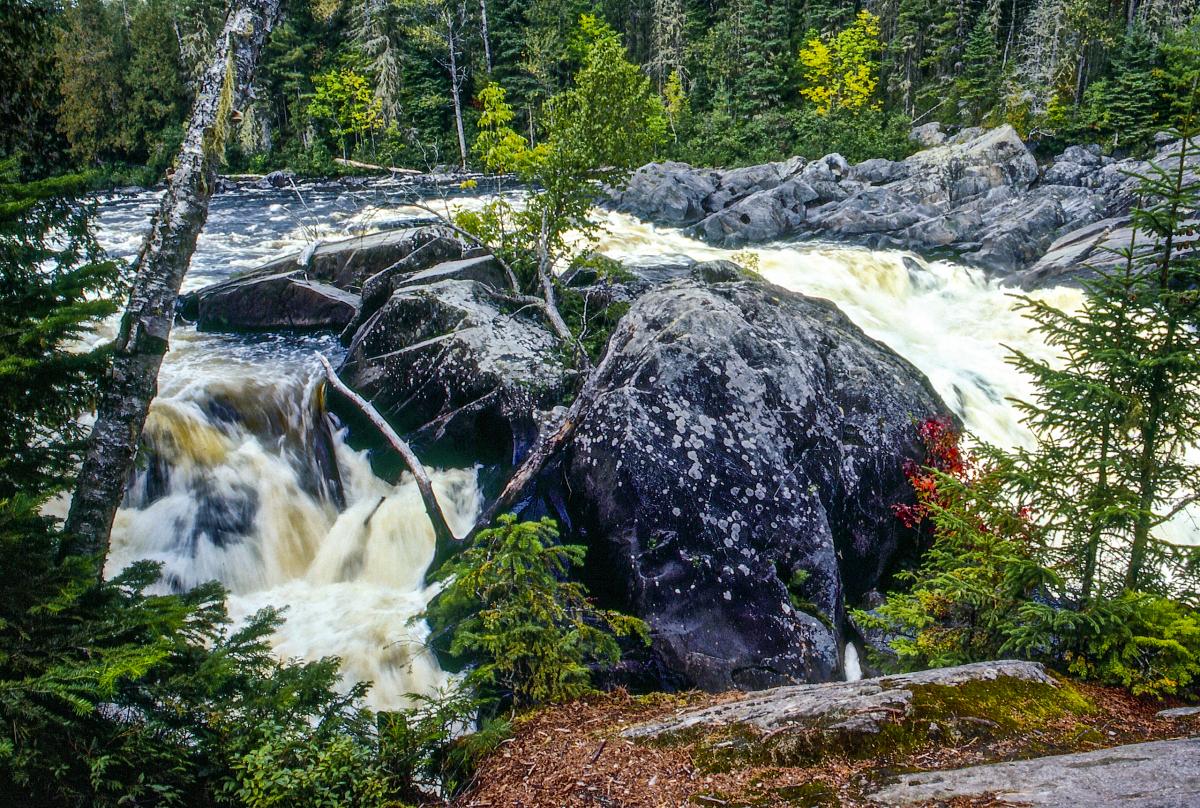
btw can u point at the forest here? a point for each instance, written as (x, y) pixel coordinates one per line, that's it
(551, 471)
(106, 84)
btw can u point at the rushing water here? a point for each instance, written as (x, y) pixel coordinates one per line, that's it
(234, 492)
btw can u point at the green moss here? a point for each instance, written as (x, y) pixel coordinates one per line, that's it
(987, 710)
(1012, 704)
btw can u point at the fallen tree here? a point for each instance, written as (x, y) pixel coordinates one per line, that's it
(142, 340)
(550, 440)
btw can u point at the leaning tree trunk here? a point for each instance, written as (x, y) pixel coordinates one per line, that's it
(142, 340)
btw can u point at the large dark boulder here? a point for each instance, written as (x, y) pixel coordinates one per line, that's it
(282, 301)
(452, 363)
(734, 480)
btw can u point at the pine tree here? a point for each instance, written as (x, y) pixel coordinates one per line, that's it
(1132, 96)
(980, 79)
(1115, 422)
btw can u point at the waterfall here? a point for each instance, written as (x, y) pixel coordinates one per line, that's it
(229, 488)
(851, 667)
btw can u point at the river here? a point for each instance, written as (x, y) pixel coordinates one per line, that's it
(234, 495)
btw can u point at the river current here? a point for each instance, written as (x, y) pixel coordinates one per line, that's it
(233, 494)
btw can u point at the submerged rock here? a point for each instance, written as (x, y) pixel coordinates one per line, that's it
(734, 480)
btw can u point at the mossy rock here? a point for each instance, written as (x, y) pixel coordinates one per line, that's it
(883, 719)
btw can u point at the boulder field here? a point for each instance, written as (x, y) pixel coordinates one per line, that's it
(979, 196)
(733, 479)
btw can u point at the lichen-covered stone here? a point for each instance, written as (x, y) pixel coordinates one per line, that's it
(734, 480)
(448, 361)
(889, 717)
(1160, 774)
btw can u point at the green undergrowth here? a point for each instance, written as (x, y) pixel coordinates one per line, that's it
(987, 711)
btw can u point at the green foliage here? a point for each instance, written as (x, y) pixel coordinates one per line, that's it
(55, 288)
(1052, 552)
(841, 72)
(425, 748)
(1140, 641)
(1114, 423)
(343, 99)
(979, 83)
(532, 635)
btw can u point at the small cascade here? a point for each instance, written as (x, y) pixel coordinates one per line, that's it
(239, 481)
(851, 667)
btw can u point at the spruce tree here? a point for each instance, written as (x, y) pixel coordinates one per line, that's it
(55, 287)
(1132, 95)
(1115, 421)
(980, 79)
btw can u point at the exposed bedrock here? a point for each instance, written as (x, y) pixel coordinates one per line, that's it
(980, 196)
(734, 480)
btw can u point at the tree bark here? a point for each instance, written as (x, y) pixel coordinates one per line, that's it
(455, 85)
(141, 341)
(483, 28)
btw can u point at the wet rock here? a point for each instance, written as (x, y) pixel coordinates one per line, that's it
(842, 710)
(1160, 774)
(349, 262)
(277, 179)
(670, 193)
(284, 301)
(763, 216)
(977, 195)
(451, 362)
(734, 479)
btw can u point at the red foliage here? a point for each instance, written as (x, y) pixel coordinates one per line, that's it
(943, 452)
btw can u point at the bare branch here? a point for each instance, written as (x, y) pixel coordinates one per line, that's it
(441, 528)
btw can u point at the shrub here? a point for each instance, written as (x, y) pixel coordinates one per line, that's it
(985, 590)
(531, 634)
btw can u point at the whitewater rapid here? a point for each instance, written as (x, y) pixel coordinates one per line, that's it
(235, 493)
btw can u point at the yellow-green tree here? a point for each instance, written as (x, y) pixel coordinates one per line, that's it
(841, 72)
(344, 99)
(675, 102)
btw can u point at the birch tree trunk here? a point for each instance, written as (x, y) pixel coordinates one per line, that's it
(141, 342)
(455, 82)
(483, 29)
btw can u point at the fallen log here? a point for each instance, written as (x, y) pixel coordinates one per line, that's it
(141, 342)
(408, 172)
(441, 528)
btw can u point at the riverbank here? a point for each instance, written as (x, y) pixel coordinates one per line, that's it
(579, 754)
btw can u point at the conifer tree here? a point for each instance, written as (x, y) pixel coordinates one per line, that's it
(1115, 422)
(980, 77)
(1132, 96)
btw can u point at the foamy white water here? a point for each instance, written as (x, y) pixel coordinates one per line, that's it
(851, 666)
